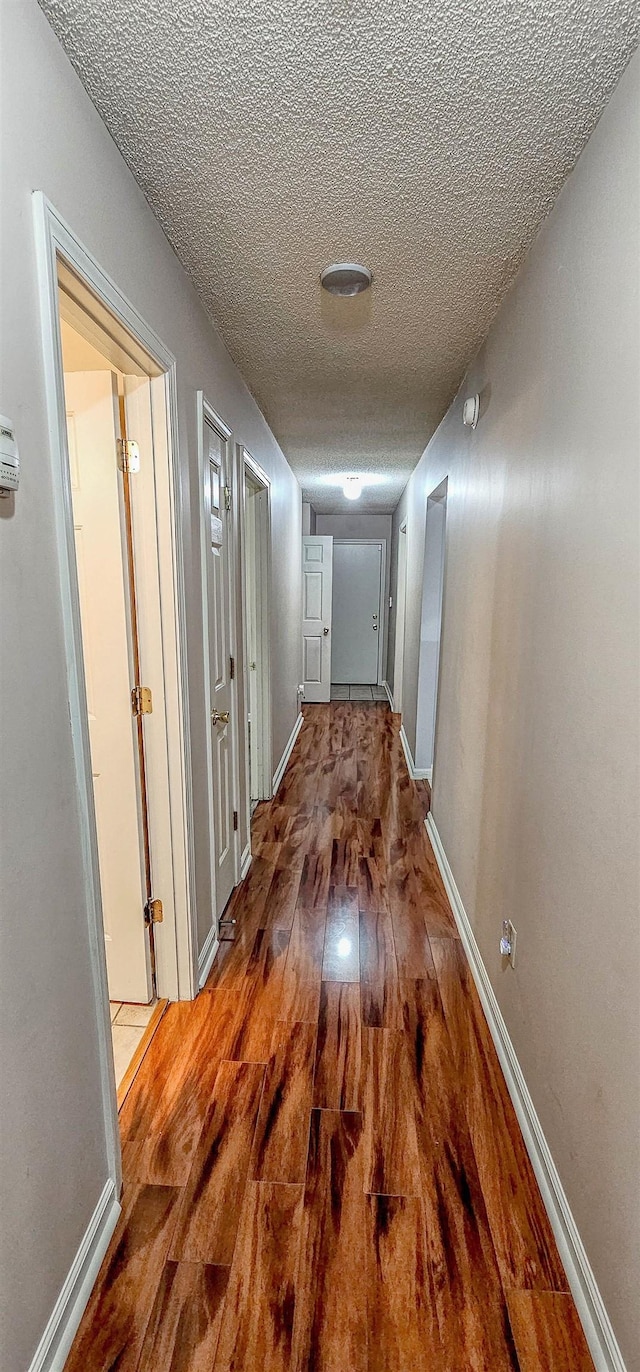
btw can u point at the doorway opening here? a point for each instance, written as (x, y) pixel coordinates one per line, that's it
(358, 619)
(401, 600)
(108, 398)
(431, 629)
(256, 580)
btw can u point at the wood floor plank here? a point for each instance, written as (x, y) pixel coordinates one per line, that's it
(412, 947)
(379, 983)
(315, 880)
(300, 997)
(469, 1298)
(330, 1330)
(282, 1130)
(280, 904)
(547, 1332)
(345, 854)
(338, 1080)
(401, 1311)
(391, 1148)
(209, 1210)
(341, 953)
(165, 1124)
(113, 1326)
(182, 1334)
(525, 1248)
(259, 995)
(257, 1323)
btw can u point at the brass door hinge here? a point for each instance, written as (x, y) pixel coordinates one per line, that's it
(128, 455)
(141, 700)
(153, 912)
(235, 819)
(232, 668)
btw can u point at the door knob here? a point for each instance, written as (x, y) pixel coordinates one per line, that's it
(374, 627)
(219, 716)
(325, 632)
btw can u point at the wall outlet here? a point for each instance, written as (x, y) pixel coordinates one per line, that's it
(508, 941)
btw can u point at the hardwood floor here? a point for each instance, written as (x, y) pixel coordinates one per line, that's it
(323, 1170)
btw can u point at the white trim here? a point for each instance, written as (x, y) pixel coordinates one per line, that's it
(389, 696)
(245, 861)
(416, 773)
(280, 769)
(51, 1353)
(207, 954)
(249, 464)
(599, 1334)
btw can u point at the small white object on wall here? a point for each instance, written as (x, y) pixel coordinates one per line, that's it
(9, 460)
(471, 411)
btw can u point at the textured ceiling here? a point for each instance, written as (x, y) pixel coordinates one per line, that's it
(425, 138)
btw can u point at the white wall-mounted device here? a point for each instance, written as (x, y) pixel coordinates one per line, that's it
(9, 460)
(471, 411)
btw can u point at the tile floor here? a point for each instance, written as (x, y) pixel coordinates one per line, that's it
(358, 692)
(128, 1023)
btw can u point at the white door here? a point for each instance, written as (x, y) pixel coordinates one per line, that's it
(92, 425)
(219, 602)
(357, 612)
(401, 592)
(317, 555)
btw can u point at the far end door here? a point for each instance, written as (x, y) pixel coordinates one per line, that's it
(219, 566)
(357, 627)
(317, 563)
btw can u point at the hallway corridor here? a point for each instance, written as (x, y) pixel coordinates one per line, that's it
(322, 1165)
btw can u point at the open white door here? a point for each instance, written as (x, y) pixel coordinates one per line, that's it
(215, 448)
(92, 426)
(317, 568)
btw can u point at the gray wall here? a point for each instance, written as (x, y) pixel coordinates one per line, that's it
(362, 526)
(536, 790)
(53, 1159)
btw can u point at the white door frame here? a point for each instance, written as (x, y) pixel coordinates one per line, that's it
(206, 411)
(382, 618)
(176, 936)
(401, 622)
(255, 471)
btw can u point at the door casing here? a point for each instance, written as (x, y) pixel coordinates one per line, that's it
(205, 411)
(401, 619)
(55, 241)
(250, 467)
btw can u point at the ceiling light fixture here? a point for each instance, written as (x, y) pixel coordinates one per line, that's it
(345, 278)
(352, 488)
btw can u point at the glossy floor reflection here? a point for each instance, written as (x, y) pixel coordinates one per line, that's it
(323, 1170)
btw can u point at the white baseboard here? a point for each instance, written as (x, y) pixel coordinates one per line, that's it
(207, 954)
(599, 1334)
(416, 773)
(280, 769)
(389, 695)
(245, 862)
(51, 1353)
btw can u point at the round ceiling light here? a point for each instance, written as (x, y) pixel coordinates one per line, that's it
(352, 488)
(345, 278)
